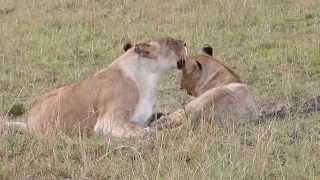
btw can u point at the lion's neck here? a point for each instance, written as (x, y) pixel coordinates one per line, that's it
(146, 80)
(143, 71)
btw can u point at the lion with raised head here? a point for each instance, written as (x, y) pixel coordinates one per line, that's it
(115, 101)
(219, 94)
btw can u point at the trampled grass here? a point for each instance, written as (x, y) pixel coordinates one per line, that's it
(274, 45)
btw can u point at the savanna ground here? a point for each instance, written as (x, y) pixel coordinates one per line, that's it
(273, 44)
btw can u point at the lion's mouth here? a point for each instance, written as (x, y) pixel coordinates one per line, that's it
(181, 63)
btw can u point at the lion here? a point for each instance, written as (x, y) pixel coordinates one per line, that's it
(219, 94)
(116, 101)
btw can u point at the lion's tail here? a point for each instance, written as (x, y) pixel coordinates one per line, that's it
(12, 126)
(309, 106)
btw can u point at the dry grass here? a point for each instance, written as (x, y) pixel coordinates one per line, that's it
(274, 45)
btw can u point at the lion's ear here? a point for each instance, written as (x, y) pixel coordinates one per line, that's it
(127, 46)
(207, 49)
(199, 65)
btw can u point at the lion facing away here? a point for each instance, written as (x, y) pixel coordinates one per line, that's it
(219, 94)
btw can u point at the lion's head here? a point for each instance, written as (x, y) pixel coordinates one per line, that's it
(203, 72)
(166, 53)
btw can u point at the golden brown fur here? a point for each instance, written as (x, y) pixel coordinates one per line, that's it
(212, 74)
(115, 101)
(219, 92)
(76, 108)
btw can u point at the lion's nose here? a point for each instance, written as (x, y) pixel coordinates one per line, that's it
(184, 44)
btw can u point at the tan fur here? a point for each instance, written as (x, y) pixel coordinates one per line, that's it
(213, 74)
(219, 92)
(76, 108)
(113, 100)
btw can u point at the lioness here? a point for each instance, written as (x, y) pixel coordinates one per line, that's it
(219, 93)
(115, 101)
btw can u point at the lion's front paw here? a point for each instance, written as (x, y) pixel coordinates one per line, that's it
(160, 123)
(169, 121)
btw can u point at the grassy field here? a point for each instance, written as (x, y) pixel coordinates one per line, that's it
(274, 45)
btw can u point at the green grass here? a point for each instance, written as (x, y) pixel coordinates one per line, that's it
(273, 44)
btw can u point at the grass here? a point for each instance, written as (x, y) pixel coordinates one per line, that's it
(274, 45)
